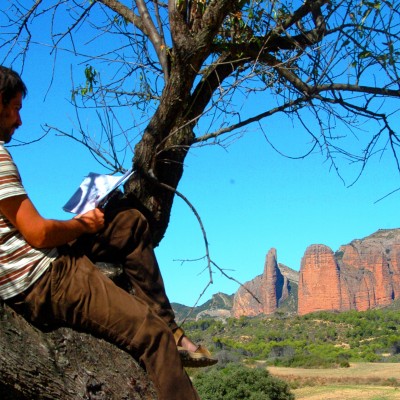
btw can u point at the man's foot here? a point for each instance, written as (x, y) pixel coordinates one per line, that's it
(193, 356)
(196, 359)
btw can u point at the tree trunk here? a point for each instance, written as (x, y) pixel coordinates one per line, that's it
(158, 160)
(63, 364)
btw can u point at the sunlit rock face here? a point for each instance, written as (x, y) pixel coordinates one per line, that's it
(266, 292)
(361, 275)
(319, 283)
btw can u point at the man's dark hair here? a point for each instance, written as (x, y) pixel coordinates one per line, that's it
(10, 84)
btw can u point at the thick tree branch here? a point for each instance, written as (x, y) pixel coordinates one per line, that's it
(155, 38)
(126, 13)
(213, 76)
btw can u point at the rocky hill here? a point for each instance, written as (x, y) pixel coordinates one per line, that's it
(361, 275)
(219, 306)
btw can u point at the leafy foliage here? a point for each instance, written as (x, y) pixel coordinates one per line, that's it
(240, 382)
(322, 339)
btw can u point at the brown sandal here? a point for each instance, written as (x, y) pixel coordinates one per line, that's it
(201, 357)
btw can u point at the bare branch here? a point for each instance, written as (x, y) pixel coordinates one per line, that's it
(248, 121)
(78, 21)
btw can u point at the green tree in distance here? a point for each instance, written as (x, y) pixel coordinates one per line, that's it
(237, 381)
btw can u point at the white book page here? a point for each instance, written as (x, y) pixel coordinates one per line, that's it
(93, 189)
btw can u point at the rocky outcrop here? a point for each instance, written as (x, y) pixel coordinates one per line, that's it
(248, 299)
(265, 293)
(319, 283)
(361, 275)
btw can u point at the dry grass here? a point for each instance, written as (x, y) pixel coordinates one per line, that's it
(356, 392)
(362, 381)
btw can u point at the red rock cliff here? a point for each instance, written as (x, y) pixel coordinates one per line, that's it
(319, 283)
(361, 275)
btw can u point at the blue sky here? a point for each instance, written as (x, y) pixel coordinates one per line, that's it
(249, 197)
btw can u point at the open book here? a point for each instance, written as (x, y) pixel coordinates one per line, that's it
(93, 191)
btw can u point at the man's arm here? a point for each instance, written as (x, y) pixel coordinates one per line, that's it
(40, 232)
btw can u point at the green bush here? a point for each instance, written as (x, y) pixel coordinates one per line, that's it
(236, 382)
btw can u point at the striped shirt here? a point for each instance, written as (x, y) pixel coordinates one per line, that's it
(20, 264)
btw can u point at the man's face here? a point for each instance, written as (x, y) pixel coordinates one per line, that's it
(10, 119)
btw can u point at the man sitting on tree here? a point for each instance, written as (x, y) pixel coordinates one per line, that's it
(47, 271)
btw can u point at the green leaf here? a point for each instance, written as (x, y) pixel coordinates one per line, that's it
(365, 54)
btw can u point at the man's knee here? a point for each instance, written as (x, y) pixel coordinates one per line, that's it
(130, 216)
(129, 224)
(153, 334)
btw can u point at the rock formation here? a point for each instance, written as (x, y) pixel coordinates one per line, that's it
(265, 293)
(361, 275)
(319, 283)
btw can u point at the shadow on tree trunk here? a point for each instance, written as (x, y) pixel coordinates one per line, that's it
(64, 364)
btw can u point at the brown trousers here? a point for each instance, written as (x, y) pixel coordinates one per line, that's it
(73, 291)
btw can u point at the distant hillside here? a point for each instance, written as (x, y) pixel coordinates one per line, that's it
(219, 306)
(393, 306)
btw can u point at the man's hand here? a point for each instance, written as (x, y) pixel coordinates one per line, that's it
(41, 232)
(93, 220)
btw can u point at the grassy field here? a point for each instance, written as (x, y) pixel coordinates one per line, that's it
(347, 392)
(362, 381)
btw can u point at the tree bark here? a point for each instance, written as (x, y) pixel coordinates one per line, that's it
(64, 364)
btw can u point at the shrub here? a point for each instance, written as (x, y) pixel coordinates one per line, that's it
(226, 357)
(236, 382)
